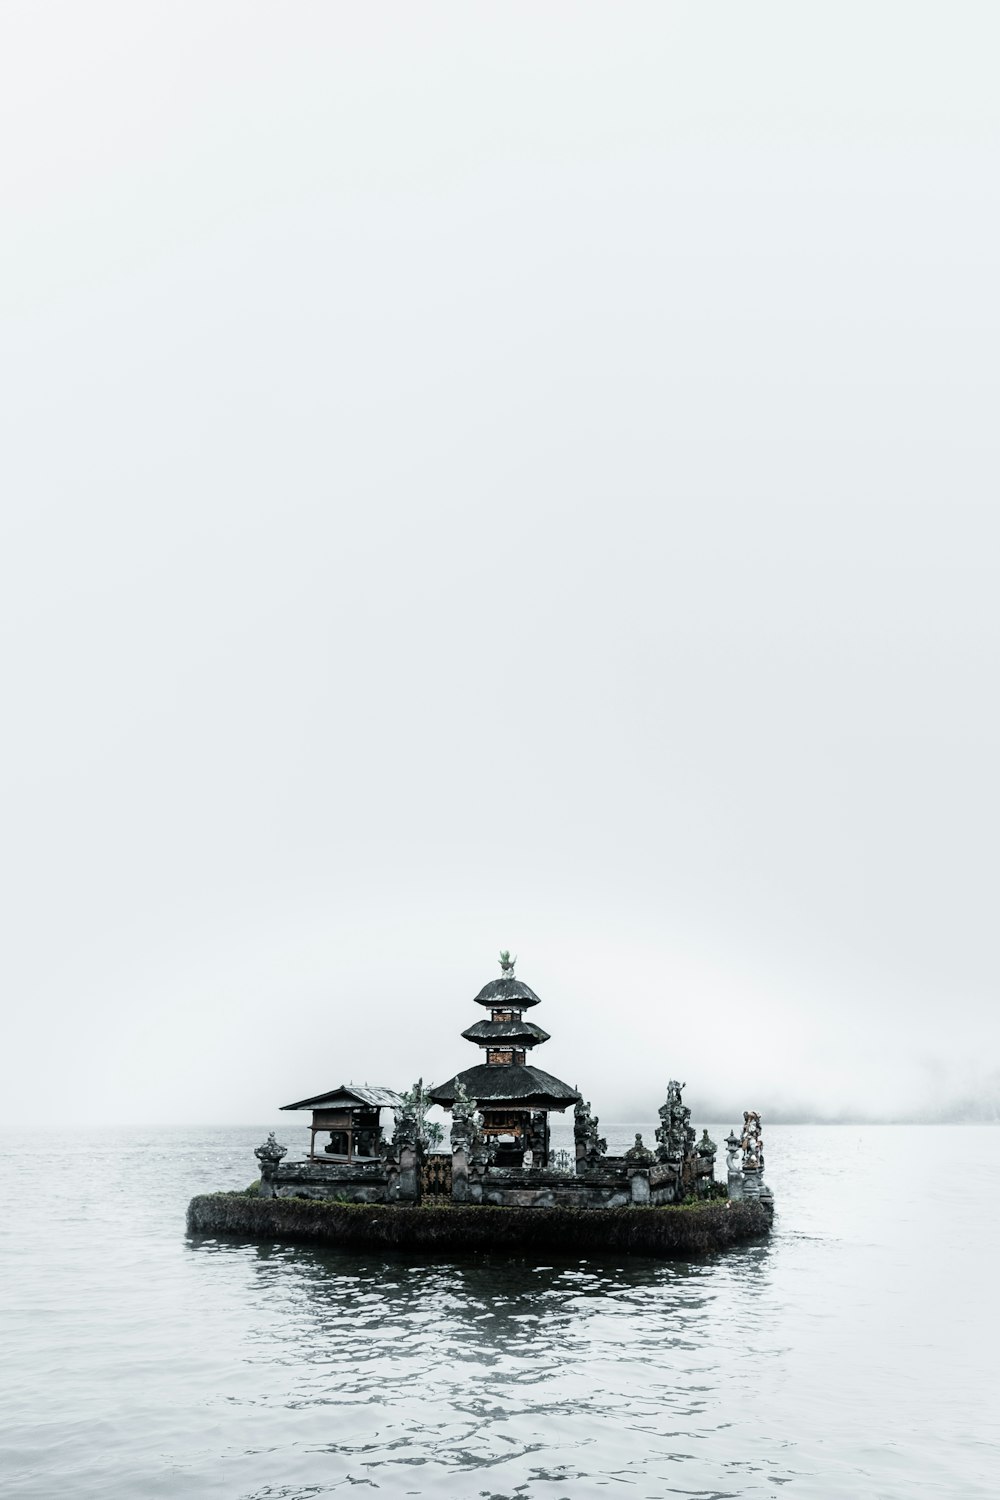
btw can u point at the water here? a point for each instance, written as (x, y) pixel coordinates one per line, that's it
(852, 1355)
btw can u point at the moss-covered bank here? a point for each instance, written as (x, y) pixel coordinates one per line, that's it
(675, 1231)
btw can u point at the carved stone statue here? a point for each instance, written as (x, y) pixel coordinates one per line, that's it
(466, 1132)
(406, 1130)
(752, 1142)
(590, 1146)
(674, 1133)
(410, 1126)
(706, 1147)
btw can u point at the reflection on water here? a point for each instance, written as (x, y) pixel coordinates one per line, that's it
(842, 1358)
(466, 1368)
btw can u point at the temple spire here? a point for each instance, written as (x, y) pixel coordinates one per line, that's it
(512, 1095)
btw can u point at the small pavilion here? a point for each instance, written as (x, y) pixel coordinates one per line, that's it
(512, 1095)
(351, 1114)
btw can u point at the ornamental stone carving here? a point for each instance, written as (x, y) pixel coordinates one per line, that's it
(674, 1134)
(466, 1122)
(410, 1125)
(639, 1155)
(752, 1142)
(270, 1153)
(590, 1146)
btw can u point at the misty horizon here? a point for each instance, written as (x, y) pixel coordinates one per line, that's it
(475, 484)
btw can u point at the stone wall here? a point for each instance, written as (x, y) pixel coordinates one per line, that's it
(347, 1181)
(598, 1181)
(394, 1178)
(513, 1188)
(615, 1183)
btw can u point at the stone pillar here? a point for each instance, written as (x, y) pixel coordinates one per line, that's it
(269, 1156)
(705, 1151)
(751, 1182)
(408, 1187)
(638, 1160)
(752, 1142)
(639, 1184)
(459, 1174)
(477, 1171)
(735, 1175)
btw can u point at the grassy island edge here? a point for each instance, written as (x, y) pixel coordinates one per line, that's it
(667, 1231)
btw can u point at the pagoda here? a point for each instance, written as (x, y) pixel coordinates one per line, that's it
(513, 1097)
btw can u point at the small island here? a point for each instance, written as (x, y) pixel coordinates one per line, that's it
(501, 1187)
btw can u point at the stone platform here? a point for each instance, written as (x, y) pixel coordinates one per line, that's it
(677, 1231)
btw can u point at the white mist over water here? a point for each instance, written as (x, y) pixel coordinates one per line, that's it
(849, 1356)
(483, 476)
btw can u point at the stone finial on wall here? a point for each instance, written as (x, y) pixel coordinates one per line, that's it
(270, 1153)
(639, 1155)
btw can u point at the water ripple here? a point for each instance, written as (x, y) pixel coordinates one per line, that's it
(142, 1364)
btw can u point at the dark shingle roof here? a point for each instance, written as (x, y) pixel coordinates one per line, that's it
(350, 1095)
(507, 992)
(520, 1084)
(525, 1032)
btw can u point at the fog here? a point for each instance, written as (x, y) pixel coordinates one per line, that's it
(513, 476)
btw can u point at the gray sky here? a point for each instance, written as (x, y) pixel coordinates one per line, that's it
(493, 475)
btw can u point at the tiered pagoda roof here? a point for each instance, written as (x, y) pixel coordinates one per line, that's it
(521, 1033)
(507, 991)
(519, 1085)
(506, 1078)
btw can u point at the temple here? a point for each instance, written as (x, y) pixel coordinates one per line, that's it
(513, 1097)
(500, 1147)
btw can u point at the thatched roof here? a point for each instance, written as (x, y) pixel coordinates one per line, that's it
(351, 1096)
(508, 991)
(514, 1033)
(519, 1085)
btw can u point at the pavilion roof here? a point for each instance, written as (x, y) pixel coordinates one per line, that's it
(350, 1095)
(517, 1084)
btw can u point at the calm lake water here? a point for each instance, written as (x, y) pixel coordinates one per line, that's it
(852, 1355)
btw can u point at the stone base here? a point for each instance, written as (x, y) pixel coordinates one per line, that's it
(662, 1232)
